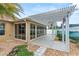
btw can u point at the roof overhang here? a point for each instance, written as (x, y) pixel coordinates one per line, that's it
(53, 16)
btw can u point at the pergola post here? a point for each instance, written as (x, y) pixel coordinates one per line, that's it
(55, 31)
(35, 31)
(26, 31)
(67, 32)
(62, 32)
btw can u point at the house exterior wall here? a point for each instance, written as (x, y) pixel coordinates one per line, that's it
(8, 31)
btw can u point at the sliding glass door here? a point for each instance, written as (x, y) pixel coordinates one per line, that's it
(20, 31)
(32, 31)
(41, 30)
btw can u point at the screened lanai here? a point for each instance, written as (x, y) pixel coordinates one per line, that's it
(50, 19)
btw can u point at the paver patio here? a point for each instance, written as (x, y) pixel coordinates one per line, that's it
(7, 46)
(74, 51)
(55, 48)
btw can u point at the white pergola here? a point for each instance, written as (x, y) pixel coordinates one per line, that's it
(54, 16)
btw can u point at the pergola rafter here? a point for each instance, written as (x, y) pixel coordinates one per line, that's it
(54, 16)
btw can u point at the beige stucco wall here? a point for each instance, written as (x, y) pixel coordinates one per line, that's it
(9, 27)
(8, 31)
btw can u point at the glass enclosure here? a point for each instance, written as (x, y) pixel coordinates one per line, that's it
(20, 31)
(40, 31)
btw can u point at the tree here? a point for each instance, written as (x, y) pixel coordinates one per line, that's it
(10, 9)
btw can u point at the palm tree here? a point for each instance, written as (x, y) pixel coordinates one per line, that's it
(10, 9)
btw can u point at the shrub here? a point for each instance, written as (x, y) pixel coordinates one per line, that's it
(76, 39)
(20, 50)
(59, 36)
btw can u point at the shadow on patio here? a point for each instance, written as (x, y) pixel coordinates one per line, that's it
(48, 41)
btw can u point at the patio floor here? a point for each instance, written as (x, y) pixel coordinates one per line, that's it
(7, 46)
(48, 42)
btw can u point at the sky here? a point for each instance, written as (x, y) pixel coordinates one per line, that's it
(36, 8)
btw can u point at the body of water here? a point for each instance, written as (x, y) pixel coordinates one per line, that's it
(73, 35)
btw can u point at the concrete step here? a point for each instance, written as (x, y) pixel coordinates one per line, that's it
(40, 51)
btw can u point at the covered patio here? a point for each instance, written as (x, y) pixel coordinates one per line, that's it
(50, 19)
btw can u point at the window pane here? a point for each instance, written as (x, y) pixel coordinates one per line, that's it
(2, 29)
